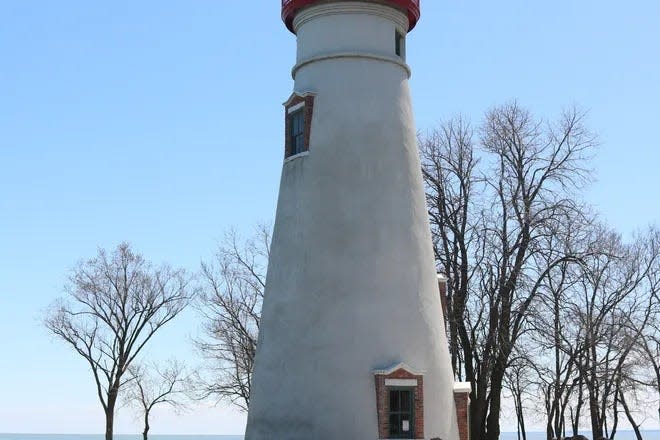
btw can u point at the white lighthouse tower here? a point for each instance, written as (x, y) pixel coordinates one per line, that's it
(352, 343)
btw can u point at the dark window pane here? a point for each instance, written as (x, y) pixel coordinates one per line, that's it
(297, 122)
(405, 401)
(297, 134)
(298, 142)
(399, 42)
(394, 401)
(394, 424)
(401, 418)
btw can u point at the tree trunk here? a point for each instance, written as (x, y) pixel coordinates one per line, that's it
(594, 411)
(493, 423)
(478, 407)
(635, 426)
(521, 417)
(556, 425)
(557, 385)
(592, 388)
(578, 407)
(574, 424)
(110, 413)
(453, 329)
(549, 413)
(145, 433)
(109, 423)
(615, 411)
(563, 421)
(478, 395)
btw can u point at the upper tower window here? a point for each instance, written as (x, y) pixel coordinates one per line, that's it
(298, 123)
(400, 44)
(297, 131)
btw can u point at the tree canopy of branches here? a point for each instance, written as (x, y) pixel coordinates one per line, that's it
(152, 385)
(615, 299)
(498, 204)
(115, 304)
(542, 298)
(587, 333)
(231, 303)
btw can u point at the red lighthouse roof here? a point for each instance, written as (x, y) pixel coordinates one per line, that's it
(290, 9)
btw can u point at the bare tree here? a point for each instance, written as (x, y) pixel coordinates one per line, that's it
(649, 340)
(450, 175)
(152, 385)
(613, 305)
(231, 303)
(650, 347)
(491, 227)
(115, 304)
(517, 381)
(556, 337)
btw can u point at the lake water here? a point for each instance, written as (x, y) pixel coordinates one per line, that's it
(621, 435)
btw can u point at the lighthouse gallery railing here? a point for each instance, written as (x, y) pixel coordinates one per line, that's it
(289, 8)
(403, 3)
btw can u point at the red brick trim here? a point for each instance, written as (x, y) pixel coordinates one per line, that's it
(295, 99)
(462, 401)
(442, 286)
(382, 402)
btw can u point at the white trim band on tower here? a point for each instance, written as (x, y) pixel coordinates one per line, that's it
(388, 12)
(353, 55)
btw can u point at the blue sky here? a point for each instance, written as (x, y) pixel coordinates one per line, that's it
(160, 123)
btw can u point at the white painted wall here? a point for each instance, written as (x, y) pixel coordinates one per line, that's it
(351, 284)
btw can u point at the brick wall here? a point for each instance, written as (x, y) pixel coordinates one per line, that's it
(442, 287)
(462, 401)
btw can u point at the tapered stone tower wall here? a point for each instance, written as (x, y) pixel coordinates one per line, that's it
(352, 298)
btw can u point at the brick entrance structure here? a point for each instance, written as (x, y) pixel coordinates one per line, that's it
(398, 376)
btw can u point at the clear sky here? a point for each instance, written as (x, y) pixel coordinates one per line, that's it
(160, 123)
